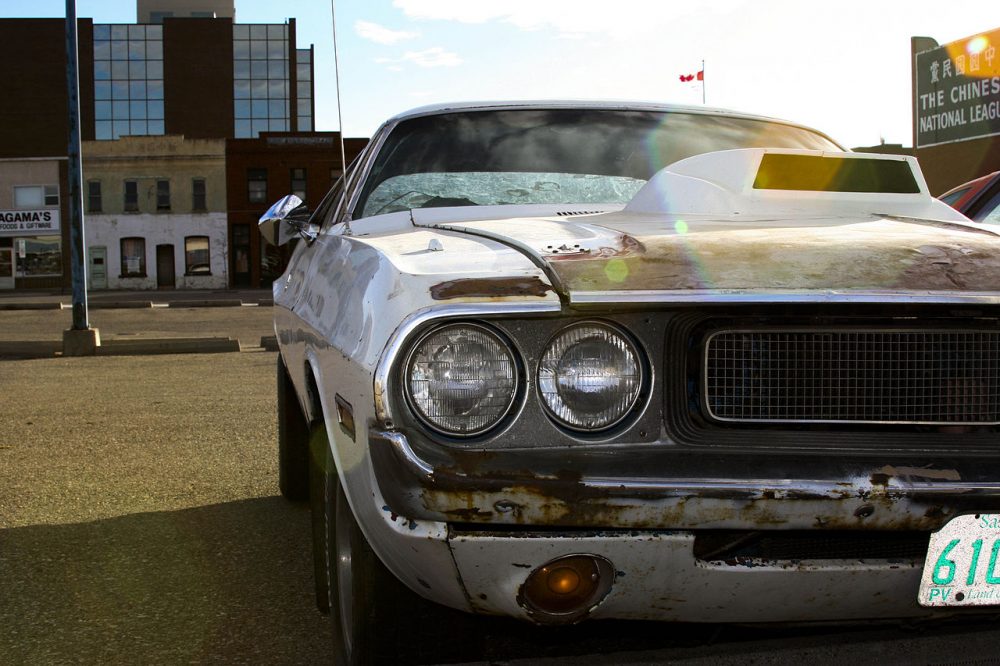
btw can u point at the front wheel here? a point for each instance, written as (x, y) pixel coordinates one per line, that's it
(376, 618)
(293, 433)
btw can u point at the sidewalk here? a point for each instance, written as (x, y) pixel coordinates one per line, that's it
(58, 299)
(139, 322)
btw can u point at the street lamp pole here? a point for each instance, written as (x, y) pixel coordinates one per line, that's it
(80, 340)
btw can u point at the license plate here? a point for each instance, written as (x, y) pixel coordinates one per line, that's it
(963, 563)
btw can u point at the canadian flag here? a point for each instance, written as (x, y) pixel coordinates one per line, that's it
(700, 76)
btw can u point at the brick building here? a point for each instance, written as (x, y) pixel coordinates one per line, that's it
(259, 172)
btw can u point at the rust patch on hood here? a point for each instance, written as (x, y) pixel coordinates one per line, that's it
(867, 255)
(489, 288)
(626, 246)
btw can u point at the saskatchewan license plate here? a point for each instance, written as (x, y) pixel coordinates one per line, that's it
(963, 563)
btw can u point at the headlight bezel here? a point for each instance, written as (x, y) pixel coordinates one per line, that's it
(628, 415)
(514, 404)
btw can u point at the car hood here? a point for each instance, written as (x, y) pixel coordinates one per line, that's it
(702, 225)
(623, 252)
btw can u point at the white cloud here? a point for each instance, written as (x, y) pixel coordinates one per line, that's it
(432, 57)
(380, 34)
(570, 17)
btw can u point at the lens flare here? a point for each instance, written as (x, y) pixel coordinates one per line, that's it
(616, 270)
(977, 44)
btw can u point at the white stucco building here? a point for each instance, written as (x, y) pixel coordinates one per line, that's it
(155, 213)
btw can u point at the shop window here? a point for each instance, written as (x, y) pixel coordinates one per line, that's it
(40, 256)
(299, 183)
(197, 260)
(133, 257)
(94, 196)
(162, 195)
(257, 185)
(131, 196)
(198, 194)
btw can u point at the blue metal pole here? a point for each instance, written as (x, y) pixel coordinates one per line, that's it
(76, 235)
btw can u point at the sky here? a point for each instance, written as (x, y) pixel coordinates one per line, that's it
(841, 66)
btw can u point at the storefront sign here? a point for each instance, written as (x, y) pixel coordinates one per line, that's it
(958, 90)
(40, 222)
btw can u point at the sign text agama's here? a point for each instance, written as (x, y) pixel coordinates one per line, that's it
(958, 90)
(40, 222)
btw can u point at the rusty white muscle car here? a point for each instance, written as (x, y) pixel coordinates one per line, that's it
(561, 361)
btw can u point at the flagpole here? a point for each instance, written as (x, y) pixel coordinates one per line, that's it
(703, 83)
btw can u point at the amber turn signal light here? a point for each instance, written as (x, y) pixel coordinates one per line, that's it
(567, 588)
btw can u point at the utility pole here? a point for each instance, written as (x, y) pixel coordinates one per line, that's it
(80, 340)
(703, 83)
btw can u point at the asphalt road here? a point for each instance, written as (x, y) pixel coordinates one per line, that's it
(140, 523)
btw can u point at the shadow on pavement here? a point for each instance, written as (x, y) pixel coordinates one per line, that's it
(232, 583)
(221, 583)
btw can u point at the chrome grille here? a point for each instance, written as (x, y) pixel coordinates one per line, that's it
(853, 376)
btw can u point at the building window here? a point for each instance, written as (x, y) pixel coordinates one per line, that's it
(128, 80)
(131, 196)
(133, 257)
(299, 183)
(257, 185)
(198, 194)
(94, 196)
(196, 256)
(163, 195)
(304, 89)
(36, 196)
(261, 80)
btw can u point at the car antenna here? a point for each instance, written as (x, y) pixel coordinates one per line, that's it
(340, 116)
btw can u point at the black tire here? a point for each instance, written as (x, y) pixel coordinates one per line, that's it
(319, 459)
(293, 437)
(376, 618)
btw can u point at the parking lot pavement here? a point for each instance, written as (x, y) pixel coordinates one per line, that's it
(139, 521)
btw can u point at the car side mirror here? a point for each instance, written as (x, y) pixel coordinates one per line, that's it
(288, 218)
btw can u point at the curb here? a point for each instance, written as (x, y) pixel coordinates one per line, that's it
(30, 349)
(220, 303)
(114, 305)
(31, 306)
(52, 348)
(168, 346)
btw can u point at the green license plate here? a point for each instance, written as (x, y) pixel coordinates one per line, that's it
(963, 563)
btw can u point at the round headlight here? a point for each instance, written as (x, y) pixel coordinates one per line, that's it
(590, 376)
(461, 379)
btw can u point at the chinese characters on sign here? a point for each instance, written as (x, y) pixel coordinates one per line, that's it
(958, 91)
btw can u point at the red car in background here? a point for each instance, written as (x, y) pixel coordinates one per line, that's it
(978, 199)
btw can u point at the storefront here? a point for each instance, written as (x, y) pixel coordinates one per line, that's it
(32, 252)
